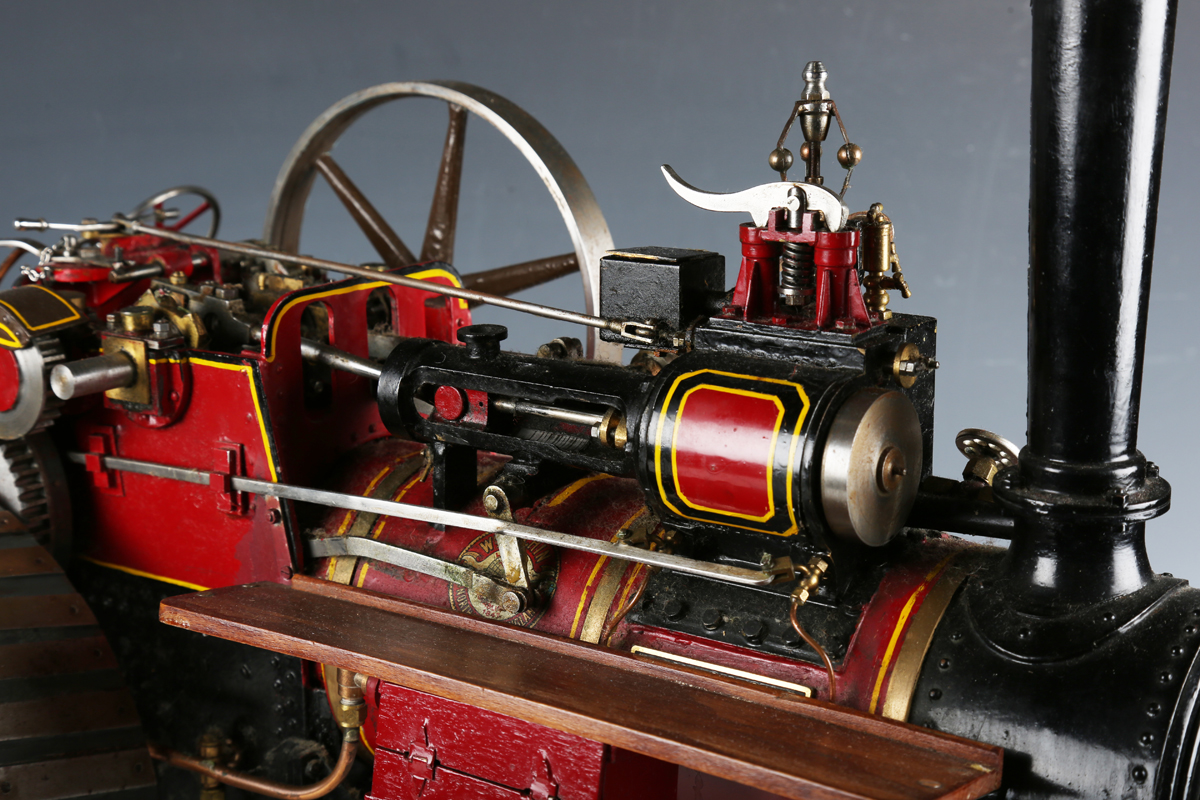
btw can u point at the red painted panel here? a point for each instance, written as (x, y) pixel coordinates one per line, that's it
(492, 746)
(179, 531)
(393, 780)
(10, 379)
(723, 448)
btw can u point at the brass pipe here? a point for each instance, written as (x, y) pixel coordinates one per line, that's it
(282, 791)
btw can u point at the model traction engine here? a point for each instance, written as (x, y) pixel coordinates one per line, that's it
(490, 574)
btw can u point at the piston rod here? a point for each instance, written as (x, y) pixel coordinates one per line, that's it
(332, 357)
(515, 406)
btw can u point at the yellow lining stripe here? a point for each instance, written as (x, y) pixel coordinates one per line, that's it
(10, 339)
(141, 574)
(352, 514)
(396, 498)
(74, 312)
(583, 596)
(575, 487)
(363, 287)
(662, 420)
(262, 425)
(891, 648)
(770, 453)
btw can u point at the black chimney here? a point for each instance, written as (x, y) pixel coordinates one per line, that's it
(1101, 73)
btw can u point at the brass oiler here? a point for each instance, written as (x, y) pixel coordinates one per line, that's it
(878, 258)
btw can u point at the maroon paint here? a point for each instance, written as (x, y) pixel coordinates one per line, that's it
(839, 298)
(450, 402)
(723, 446)
(754, 294)
(10, 380)
(430, 747)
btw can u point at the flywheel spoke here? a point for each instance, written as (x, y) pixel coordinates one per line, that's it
(517, 277)
(387, 242)
(443, 212)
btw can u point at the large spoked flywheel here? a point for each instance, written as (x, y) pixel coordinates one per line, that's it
(572, 195)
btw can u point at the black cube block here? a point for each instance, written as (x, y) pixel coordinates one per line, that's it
(669, 284)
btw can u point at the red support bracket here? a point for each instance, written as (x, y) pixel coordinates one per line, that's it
(98, 443)
(230, 463)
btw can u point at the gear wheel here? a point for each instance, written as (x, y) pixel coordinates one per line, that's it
(33, 486)
(35, 406)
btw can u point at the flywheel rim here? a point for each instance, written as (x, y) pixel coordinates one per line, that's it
(572, 195)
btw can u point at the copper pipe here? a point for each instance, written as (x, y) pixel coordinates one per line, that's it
(282, 791)
(813, 644)
(611, 628)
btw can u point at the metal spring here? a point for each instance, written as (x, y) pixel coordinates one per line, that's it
(798, 275)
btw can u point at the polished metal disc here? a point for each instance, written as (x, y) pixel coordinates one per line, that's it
(871, 466)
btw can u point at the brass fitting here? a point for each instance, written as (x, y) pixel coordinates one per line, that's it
(613, 431)
(879, 257)
(909, 365)
(210, 751)
(352, 707)
(810, 576)
(987, 453)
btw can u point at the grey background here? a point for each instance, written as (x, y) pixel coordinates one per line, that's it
(107, 103)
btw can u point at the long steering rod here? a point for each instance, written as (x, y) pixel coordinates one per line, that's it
(645, 331)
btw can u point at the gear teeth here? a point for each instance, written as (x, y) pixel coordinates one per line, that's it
(28, 493)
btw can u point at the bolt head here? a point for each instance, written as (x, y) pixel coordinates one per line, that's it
(674, 610)
(755, 630)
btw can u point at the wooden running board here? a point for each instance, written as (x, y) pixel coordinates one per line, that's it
(779, 743)
(68, 725)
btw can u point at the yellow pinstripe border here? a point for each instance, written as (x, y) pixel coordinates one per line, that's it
(141, 574)
(360, 287)
(770, 453)
(258, 409)
(9, 339)
(575, 487)
(74, 312)
(583, 596)
(662, 421)
(908, 607)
